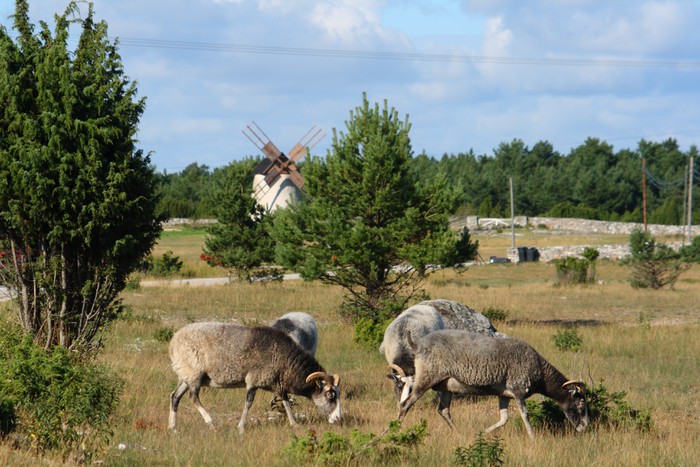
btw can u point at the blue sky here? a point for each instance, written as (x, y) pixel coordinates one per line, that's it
(470, 74)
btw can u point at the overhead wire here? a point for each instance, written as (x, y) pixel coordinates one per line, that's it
(401, 56)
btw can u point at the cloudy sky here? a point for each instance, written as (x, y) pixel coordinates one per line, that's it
(469, 73)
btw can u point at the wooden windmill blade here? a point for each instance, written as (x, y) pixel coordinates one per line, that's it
(309, 140)
(262, 141)
(295, 176)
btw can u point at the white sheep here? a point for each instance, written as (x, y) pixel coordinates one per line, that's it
(227, 355)
(417, 321)
(301, 327)
(462, 362)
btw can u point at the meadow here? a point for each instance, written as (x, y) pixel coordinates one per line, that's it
(643, 342)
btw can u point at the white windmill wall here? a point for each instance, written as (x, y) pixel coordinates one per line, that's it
(279, 195)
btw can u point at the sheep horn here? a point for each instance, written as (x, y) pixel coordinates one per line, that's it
(318, 375)
(579, 385)
(397, 369)
(336, 380)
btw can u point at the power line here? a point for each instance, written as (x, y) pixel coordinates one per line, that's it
(401, 56)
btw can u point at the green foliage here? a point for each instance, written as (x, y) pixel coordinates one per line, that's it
(654, 265)
(164, 334)
(186, 194)
(495, 314)
(165, 266)
(8, 416)
(691, 253)
(612, 410)
(568, 339)
(240, 240)
(605, 409)
(567, 210)
(368, 224)
(77, 198)
(357, 448)
(483, 453)
(60, 403)
(571, 270)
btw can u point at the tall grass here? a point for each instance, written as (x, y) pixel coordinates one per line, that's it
(643, 342)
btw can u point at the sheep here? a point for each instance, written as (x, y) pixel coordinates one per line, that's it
(228, 355)
(417, 320)
(462, 362)
(301, 327)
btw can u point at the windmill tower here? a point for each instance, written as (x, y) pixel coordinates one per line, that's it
(277, 180)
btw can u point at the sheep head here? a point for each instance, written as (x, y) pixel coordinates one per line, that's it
(403, 384)
(574, 406)
(327, 394)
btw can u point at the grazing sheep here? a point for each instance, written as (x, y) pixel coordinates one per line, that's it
(301, 327)
(417, 321)
(462, 362)
(226, 355)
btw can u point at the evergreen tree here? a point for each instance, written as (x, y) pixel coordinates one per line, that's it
(77, 204)
(240, 240)
(367, 224)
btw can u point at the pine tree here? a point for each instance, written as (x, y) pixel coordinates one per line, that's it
(368, 224)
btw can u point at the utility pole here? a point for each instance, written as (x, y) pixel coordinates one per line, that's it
(684, 210)
(690, 200)
(512, 216)
(644, 193)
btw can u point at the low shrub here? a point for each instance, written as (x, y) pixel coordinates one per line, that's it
(605, 409)
(166, 265)
(571, 270)
(495, 314)
(164, 334)
(483, 453)
(357, 448)
(568, 339)
(52, 400)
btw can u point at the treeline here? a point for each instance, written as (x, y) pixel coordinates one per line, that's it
(592, 181)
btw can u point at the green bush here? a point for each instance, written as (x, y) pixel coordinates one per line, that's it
(495, 314)
(654, 265)
(357, 448)
(483, 453)
(59, 403)
(571, 270)
(691, 253)
(166, 265)
(164, 334)
(605, 409)
(568, 339)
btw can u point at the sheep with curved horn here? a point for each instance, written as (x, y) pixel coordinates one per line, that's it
(226, 355)
(462, 362)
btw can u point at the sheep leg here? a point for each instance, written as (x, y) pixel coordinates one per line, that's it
(503, 409)
(443, 408)
(175, 397)
(249, 397)
(194, 391)
(288, 408)
(408, 403)
(523, 414)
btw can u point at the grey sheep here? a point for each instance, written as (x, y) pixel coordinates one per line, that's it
(417, 321)
(227, 355)
(462, 362)
(301, 327)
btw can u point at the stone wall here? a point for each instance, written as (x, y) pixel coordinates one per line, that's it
(553, 224)
(474, 223)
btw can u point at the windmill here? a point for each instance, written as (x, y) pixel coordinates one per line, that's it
(277, 180)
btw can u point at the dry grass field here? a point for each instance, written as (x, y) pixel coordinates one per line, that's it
(644, 342)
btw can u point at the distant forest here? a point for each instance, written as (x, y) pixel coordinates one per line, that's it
(593, 181)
